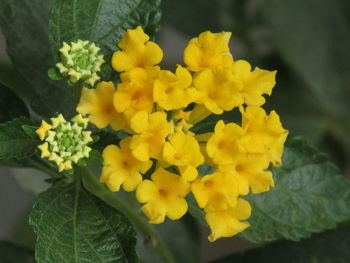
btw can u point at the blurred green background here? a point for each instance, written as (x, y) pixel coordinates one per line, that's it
(307, 41)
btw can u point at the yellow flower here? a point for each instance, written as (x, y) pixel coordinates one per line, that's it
(121, 168)
(183, 151)
(98, 104)
(215, 191)
(209, 50)
(255, 83)
(226, 143)
(151, 129)
(164, 196)
(219, 89)
(174, 91)
(137, 51)
(43, 129)
(266, 134)
(226, 223)
(248, 170)
(135, 92)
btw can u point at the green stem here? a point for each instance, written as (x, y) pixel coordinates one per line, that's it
(92, 184)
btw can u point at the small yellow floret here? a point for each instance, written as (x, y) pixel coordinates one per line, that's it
(255, 83)
(137, 51)
(219, 89)
(209, 50)
(183, 151)
(265, 132)
(151, 129)
(249, 170)
(226, 143)
(43, 129)
(135, 92)
(120, 167)
(226, 223)
(164, 196)
(174, 91)
(98, 104)
(215, 191)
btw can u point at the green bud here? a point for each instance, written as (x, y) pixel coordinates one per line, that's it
(80, 61)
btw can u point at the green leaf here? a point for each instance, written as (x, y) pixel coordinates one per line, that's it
(24, 25)
(314, 37)
(195, 16)
(11, 253)
(105, 139)
(310, 196)
(95, 157)
(14, 141)
(54, 74)
(330, 246)
(195, 211)
(11, 106)
(74, 226)
(30, 130)
(103, 22)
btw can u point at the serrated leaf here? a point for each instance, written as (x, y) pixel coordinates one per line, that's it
(330, 246)
(74, 226)
(310, 196)
(14, 141)
(103, 22)
(11, 253)
(24, 25)
(11, 106)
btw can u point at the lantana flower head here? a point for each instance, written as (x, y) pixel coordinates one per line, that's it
(80, 61)
(163, 151)
(65, 142)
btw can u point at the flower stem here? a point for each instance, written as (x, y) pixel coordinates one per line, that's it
(92, 184)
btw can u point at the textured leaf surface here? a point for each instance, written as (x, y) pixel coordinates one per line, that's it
(313, 37)
(24, 24)
(331, 246)
(103, 22)
(14, 141)
(11, 106)
(11, 253)
(310, 196)
(74, 226)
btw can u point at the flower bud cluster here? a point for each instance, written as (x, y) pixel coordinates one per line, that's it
(65, 142)
(80, 61)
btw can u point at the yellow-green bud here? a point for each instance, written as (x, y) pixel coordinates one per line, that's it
(66, 141)
(80, 61)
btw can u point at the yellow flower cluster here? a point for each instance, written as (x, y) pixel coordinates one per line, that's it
(153, 106)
